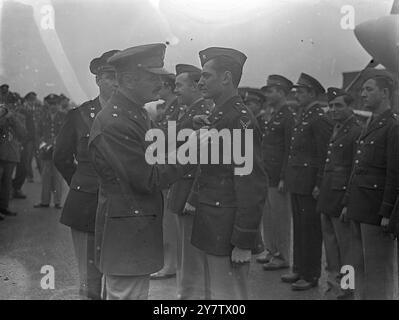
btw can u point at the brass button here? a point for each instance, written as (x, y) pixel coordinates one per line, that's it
(218, 203)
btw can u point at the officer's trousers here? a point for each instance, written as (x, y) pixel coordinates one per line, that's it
(375, 268)
(6, 170)
(127, 287)
(90, 277)
(277, 224)
(51, 183)
(307, 237)
(190, 262)
(21, 169)
(223, 281)
(337, 243)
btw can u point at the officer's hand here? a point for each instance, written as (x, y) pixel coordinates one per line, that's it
(188, 209)
(281, 186)
(384, 224)
(343, 217)
(240, 255)
(316, 192)
(199, 121)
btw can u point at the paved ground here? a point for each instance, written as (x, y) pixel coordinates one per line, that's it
(35, 238)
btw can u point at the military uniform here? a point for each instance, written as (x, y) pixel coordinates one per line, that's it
(371, 195)
(229, 206)
(48, 129)
(310, 136)
(128, 231)
(277, 213)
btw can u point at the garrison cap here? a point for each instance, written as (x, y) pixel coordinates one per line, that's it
(190, 69)
(100, 64)
(252, 94)
(213, 52)
(5, 85)
(149, 57)
(30, 95)
(377, 73)
(276, 80)
(13, 97)
(308, 81)
(333, 93)
(51, 98)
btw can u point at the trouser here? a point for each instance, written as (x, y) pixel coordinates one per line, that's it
(21, 169)
(127, 287)
(223, 280)
(30, 151)
(51, 183)
(169, 239)
(307, 237)
(190, 262)
(337, 243)
(374, 268)
(90, 277)
(6, 170)
(277, 224)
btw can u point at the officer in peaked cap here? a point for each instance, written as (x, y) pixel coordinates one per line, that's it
(190, 270)
(373, 189)
(221, 190)
(80, 206)
(308, 149)
(128, 231)
(336, 229)
(276, 144)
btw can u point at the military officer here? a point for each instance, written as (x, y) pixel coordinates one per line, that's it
(276, 145)
(341, 150)
(374, 187)
(81, 203)
(311, 133)
(169, 110)
(229, 205)
(253, 99)
(190, 271)
(48, 128)
(128, 231)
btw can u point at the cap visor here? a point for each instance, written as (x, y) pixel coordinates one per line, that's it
(159, 71)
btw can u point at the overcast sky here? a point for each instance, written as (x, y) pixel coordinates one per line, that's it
(278, 36)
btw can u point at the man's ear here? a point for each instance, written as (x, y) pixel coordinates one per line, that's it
(227, 77)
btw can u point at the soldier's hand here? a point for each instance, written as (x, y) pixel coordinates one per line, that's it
(281, 186)
(343, 217)
(199, 121)
(240, 255)
(316, 192)
(188, 209)
(384, 224)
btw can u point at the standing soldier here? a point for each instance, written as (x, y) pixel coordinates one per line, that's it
(48, 129)
(310, 136)
(128, 231)
(169, 110)
(71, 158)
(190, 271)
(276, 146)
(341, 150)
(229, 209)
(253, 99)
(374, 188)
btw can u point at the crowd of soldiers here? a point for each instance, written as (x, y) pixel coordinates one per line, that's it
(28, 130)
(315, 163)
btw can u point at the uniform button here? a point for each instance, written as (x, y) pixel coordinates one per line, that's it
(78, 187)
(361, 142)
(330, 144)
(329, 152)
(341, 145)
(359, 151)
(327, 160)
(375, 186)
(189, 176)
(136, 212)
(357, 161)
(305, 164)
(98, 248)
(371, 142)
(344, 187)
(292, 138)
(218, 203)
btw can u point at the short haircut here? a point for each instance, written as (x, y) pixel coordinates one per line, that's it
(348, 99)
(170, 82)
(194, 77)
(385, 83)
(224, 63)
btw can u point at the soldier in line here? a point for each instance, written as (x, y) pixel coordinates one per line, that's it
(190, 269)
(48, 129)
(373, 189)
(336, 228)
(128, 231)
(253, 99)
(71, 158)
(12, 131)
(229, 207)
(4, 91)
(310, 136)
(169, 109)
(276, 146)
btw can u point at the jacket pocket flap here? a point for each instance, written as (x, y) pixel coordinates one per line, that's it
(370, 182)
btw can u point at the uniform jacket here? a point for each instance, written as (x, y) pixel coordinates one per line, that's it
(170, 113)
(308, 149)
(229, 207)
(12, 132)
(71, 158)
(374, 182)
(276, 144)
(48, 129)
(179, 192)
(128, 232)
(338, 167)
